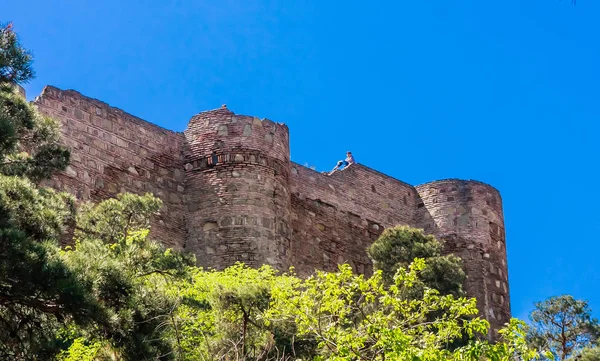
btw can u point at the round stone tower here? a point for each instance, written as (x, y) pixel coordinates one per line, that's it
(468, 216)
(238, 192)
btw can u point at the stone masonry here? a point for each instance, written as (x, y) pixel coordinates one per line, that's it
(231, 193)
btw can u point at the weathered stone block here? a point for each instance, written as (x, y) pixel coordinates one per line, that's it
(223, 130)
(247, 130)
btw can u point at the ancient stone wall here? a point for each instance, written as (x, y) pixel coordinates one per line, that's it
(335, 218)
(231, 194)
(114, 152)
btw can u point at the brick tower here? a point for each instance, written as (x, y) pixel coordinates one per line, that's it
(468, 216)
(237, 187)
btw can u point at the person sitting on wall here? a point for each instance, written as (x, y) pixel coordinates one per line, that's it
(345, 163)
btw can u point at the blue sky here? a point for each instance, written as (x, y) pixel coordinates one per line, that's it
(505, 92)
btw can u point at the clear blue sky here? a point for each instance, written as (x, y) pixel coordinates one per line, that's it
(505, 92)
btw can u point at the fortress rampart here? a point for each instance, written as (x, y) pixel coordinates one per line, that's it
(231, 194)
(237, 198)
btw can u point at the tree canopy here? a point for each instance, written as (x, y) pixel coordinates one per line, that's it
(561, 327)
(37, 290)
(29, 141)
(15, 61)
(398, 246)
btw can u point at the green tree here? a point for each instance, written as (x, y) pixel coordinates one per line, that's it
(128, 274)
(587, 354)
(357, 318)
(223, 315)
(562, 326)
(29, 142)
(242, 313)
(38, 292)
(15, 61)
(109, 289)
(398, 246)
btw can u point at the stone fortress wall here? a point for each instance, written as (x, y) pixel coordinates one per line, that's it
(114, 152)
(248, 202)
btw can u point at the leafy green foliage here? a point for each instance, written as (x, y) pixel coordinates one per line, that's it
(398, 246)
(242, 313)
(29, 142)
(224, 314)
(110, 286)
(156, 305)
(587, 354)
(38, 292)
(357, 318)
(80, 350)
(562, 326)
(127, 273)
(113, 219)
(36, 213)
(15, 62)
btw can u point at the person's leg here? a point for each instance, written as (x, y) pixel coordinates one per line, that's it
(338, 165)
